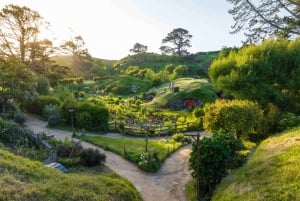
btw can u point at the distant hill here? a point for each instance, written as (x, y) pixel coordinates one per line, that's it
(66, 60)
(197, 63)
(23, 179)
(271, 174)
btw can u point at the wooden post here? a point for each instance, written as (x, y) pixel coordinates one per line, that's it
(198, 167)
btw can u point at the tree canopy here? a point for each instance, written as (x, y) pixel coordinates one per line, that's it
(139, 48)
(264, 18)
(178, 40)
(265, 73)
(20, 27)
(16, 82)
(240, 117)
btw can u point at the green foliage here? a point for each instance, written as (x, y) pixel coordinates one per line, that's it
(43, 85)
(92, 157)
(92, 116)
(218, 156)
(288, 120)
(271, 174)
(178, 137)
(265, 73)
(238, 116)
(84, 120)
(52, 114)
(23, 179)
(134, 150)
(19, 117)
(178, 41)
(17, 82)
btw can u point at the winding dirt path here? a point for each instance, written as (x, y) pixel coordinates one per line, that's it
(168, 184)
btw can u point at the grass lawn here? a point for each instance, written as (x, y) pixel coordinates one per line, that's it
(271, 174)
(23, 179)
(132, 149)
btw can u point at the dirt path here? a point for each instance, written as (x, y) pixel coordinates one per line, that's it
(168, 184)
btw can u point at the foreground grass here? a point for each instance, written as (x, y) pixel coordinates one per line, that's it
(271, 174)
(23, 179)
(163, 148)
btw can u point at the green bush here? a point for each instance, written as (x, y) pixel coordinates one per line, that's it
(19, 117)
(52, 114)
(95, 116)
(43, 85)
(178, 137)
(37, 106)
(149, 162)
(69, 162)
(288, 120)
(84, 120)
(92, 157)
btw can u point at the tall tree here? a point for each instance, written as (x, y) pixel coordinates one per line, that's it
(19, 28)
(81, 58)
(178, 40)
(264, 18)
(138, 48)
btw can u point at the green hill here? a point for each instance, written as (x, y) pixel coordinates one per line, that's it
(199, 89)
(271, 174)
(23, 179)
(195, 62)
(66, 60)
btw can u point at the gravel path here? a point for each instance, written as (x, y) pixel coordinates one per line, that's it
(167, 184)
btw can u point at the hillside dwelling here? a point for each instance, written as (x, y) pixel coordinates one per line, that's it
(186, 103)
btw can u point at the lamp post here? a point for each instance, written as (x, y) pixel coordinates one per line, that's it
(72, 111)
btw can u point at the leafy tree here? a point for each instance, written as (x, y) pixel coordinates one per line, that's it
(81, 58)
(265, 73)
(241, 117)
(179, 71)
(139, 48)
(19, 31)
(16, 82)
(180, 40)
(99, 68)
(218, 155)
(266, 18)
(43, 85)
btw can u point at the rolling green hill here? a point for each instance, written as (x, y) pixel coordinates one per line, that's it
(66, 60)
(200, 89)
(198, 62)
(23, 179)
(271, 174)
(195, 62)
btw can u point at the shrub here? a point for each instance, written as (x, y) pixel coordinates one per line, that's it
(19, 117)
(219, 155)
(43, 85)
(95, 115)
(288, 120)
(178, 137)
(92, 157)
(52, 114)
(241, 117)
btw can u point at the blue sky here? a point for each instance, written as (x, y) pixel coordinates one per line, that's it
(111, 27)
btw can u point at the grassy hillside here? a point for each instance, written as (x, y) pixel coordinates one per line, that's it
(273, 172)
(66, 60)
(23, 179)
(196, 62)
(189, 88)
